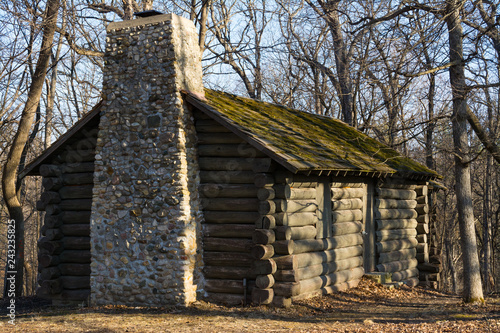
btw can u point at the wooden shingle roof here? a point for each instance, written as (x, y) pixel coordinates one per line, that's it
(305, 142)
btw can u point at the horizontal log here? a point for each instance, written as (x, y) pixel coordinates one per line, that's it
(347, 215)
(423, 228)
(319, 269)
(230, 217)
(52, 209)
(227, 164)
(428, 267)
(286, 289)
(229, 150)
(395, 245)
(266, 193)
(51, 287)
(292, 193)
(76, 243)
(233, 204)
(385, 235)
(75, 282)
(264, 267)
(75, 204)
(75, 217)
(286, 262)
(403, 254)
(346, 228)
(52, 183)
(263, 165)
(76, 230)
(422, 257)
(215, 138)
(81, 178)
(50, 170)
(224, 286)
(331, 289)
(422, 190)
(296, 219)
(228, 272)
(390, 214)
(266, 207)
(51, 221)
(396, 224)
(265, 281)
(51, 247)
(314, 258)
(422, 238)
(330, 279)
(312, 245)
(347, 193)
(228, 190)
(401, 194)
(261, 251)
(411, 282)
(46, 260)
(423, 199)
(296, 206)
(395, 203)
(263, 236)
(295, 233)
(228, 230)
(262, 296)
(227, 177)
(227, 244)
(265, 222)
(49, 273)
(53, 234)
(422, 209)
(351, 182)
(263, 180)
(241, 259)
(295, 180)
(397, 266)
(284, 247)
(347, 204)
(75, 256)
(50, 198)
(227, 299)
(76, 192)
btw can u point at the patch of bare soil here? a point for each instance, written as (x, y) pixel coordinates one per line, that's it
(367, 308)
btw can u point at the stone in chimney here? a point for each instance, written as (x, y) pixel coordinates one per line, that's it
(145, 222)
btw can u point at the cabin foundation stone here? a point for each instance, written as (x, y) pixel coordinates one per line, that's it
(146, 214)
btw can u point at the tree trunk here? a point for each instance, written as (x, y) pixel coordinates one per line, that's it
(9, 177)
(471, 269)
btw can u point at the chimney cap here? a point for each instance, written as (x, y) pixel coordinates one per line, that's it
(148, 13)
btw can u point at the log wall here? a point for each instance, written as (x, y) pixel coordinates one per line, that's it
(64, 245)
(230, 209)
(429, 259)
(318, 247)
(396, 220)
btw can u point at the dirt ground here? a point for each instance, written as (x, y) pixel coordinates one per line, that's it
(367, 308)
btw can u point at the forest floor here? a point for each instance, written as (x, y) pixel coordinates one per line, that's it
(367, 308)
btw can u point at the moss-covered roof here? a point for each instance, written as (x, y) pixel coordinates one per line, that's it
(303, 141)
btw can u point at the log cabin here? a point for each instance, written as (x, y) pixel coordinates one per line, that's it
(167, 192)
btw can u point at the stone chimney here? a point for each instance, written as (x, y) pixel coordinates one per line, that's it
(146, 214)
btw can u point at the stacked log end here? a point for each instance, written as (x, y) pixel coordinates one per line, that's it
(64, 245)
(264, 236)
(429, 261)
(318, 238)
(396, 220)
(230, 209)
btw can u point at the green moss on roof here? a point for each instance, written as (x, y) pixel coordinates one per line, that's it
(310, 142)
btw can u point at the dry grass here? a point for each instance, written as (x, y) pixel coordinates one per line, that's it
(368, 308)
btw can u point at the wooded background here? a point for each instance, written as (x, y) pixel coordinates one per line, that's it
(408, 73)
